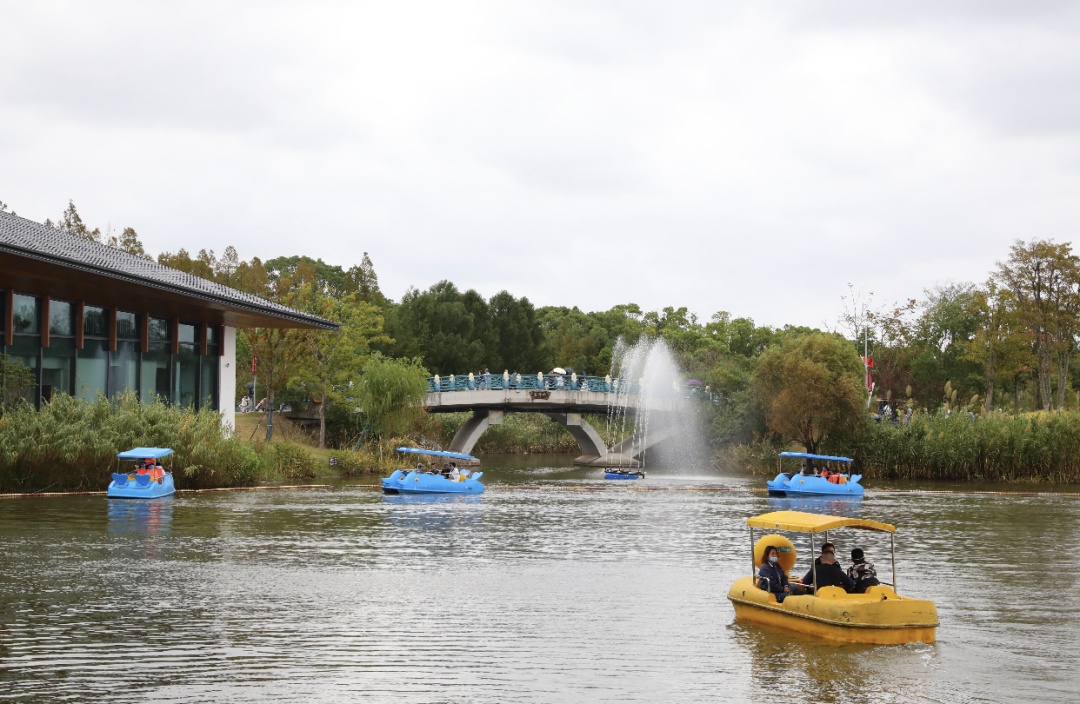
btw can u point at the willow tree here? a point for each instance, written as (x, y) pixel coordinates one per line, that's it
(391, 394)
(811, 388)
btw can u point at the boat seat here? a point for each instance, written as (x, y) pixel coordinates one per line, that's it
(120, 479)
(142, 480)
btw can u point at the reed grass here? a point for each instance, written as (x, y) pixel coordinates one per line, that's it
(1032, 447)
(71, 445)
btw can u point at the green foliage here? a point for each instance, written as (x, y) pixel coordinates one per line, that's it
(810, 388)
(72, 444)
(15, 380)
(391, 394)
(286, 461)
(1035, 447)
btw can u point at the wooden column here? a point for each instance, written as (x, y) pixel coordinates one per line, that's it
(44, 322)
(174, 334)
(112, 329)
(203, 344)
(80, 325)
(9, 317)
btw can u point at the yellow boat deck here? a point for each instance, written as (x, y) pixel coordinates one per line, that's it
(880, 616)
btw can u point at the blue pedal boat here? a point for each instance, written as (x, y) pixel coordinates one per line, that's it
(147, 480)
(418, 481)
(622, 474)
(805, 482)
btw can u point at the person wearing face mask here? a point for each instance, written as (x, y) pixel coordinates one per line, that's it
(773, 579)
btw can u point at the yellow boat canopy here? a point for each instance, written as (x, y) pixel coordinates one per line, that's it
(812, 522)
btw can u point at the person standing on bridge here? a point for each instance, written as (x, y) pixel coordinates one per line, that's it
(487, 378)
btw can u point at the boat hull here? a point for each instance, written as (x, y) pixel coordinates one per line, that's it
(877, 617)
(623, 475)
(134, 489)
(806, 485)
(419, 483)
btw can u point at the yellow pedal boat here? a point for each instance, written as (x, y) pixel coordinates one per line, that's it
(880, 616)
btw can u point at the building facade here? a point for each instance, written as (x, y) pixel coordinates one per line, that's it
(88, 319)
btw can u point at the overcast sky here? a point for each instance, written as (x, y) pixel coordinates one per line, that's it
(748, 157)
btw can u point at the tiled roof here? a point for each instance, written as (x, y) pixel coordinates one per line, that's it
(30, 239)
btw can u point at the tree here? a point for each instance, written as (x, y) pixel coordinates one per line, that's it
(999, 344)
(1043, 278)
(811, 388)
(331, 360)
(391, 394)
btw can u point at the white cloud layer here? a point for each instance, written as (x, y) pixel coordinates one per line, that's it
(748, 157)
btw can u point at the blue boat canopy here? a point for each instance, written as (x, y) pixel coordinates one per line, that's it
(141, 453)
(437, 453)
(808, 456)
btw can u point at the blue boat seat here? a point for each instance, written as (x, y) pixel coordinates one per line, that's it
(120, 479)
(142, 480)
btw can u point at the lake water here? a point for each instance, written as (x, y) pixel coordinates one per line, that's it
(544, 589)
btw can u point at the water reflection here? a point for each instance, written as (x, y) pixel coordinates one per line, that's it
(150, 517)
(540, 590)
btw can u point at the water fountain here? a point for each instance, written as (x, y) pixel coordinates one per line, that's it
(650, 410)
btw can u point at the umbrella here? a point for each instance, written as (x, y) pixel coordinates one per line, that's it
(558, 370)
(568, 370)
(693, 382)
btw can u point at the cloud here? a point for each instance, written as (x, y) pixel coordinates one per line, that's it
(753, 159)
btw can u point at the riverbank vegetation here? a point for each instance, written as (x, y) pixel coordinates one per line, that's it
(990, 352)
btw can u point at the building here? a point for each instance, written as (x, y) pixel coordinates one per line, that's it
(87, 319)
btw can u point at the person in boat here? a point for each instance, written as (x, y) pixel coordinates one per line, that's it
(828, 573)
(861, 572)
(445, 470)
(773, 578)
(454, 473)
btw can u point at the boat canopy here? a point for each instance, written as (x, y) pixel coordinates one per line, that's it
(813, 522)
(141, 453)
(808, 456)
(437, 453)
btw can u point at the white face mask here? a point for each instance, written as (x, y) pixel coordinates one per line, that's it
(774, 559)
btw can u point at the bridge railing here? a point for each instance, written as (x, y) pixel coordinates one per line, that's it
(533, 382)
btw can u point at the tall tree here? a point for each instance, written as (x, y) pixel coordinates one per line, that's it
(999, 344)
(811, 388)
(330, 361)
(391, 394)
(1043, 279)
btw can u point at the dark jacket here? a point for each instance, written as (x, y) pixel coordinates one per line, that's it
(829, 576)
(864, 575)
(777, 579)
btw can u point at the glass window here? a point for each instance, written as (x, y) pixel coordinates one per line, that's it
(57, 368)
(124, 369)
(186, 388)
(95, 324)
(61, 318)
(154, 373)
(186, 333)
(26, 314)
(159, 329)
(208, 382)
(211, 334)
(91, 370)
(127, 325)
(26, 350)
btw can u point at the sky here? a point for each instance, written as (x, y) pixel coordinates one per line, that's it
(766, 159)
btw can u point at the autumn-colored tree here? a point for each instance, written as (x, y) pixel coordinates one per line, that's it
(811, 388)
(1043, 278)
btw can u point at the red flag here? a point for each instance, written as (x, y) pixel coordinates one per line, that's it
(869, 362)
(253, 360)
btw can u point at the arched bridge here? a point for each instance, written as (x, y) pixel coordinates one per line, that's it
(562, 398)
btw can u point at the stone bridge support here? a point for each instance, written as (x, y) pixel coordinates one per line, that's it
(594, 453)
(465, 438)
